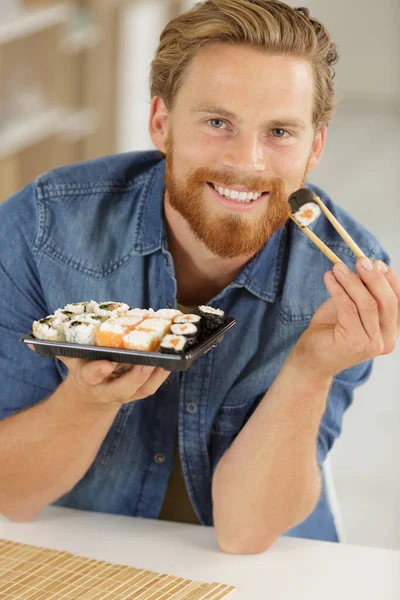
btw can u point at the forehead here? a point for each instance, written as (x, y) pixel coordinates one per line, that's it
(250, 80)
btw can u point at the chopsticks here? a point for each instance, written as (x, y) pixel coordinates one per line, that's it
(338, 227)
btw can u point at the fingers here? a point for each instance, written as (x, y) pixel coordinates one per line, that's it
(350, 326)
(141, 381)
(370, 300)
(88, 372)
(394, 281)
(379, 287)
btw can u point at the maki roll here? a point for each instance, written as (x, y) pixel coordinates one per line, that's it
(212, 318)
(109, 309)
(304, 208)
(78, 308)
(82, 330)
(50, 329)
(189, 331)
(144, 341)
(195, 319)
(173, 344)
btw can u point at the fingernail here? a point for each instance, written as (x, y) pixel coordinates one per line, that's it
(342, 268)
(381, 266)
(367, 264)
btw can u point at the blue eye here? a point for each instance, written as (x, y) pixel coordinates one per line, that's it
(216, 121)
(280, 131)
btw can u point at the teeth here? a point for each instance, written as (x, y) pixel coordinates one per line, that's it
(235, 195)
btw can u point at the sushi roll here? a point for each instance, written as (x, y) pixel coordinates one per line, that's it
(78, 308)
(49, 329)
(173, 344)
(111, 332)
(159, 326)
(144, 341)
(168, 313)
(212, 318)
(144, 313)
(304, 208)
(189, 331)
(82, 330)
(109, 309)
(195, 319)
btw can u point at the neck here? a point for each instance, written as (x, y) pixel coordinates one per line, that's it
(200, 275)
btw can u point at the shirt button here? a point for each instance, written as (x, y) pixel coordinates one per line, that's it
(159, 458)
(166, 260)
(191, 408)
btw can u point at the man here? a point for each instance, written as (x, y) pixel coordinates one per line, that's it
(241, 98)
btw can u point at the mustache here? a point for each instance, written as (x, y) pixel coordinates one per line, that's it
(227, 179)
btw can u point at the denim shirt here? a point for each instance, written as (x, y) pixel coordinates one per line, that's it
(95, 230)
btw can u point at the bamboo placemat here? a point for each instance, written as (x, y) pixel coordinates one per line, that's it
(34, 573)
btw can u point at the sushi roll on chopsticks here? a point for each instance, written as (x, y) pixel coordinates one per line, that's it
(306, 207)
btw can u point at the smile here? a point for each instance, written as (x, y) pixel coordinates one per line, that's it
(235, 195)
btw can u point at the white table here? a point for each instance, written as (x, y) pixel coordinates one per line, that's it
(292, 569)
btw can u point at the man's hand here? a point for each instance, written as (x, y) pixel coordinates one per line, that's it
(360, 321)
(104, 382)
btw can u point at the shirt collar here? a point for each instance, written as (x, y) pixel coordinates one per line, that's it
(261, 276)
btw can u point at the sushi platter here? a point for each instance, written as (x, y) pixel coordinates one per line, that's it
(113, 331)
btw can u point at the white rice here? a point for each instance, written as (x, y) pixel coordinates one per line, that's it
(52, 331)
(184, 329)
(78, 307)
(139, 312)
(177, 342)
(144, 341)
(306, 220)
(159, 326)
(212, 311)
(168, 313)
(81, 332)
(128, 321)
(187, 319)
(112, 310)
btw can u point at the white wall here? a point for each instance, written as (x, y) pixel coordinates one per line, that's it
(367, 34)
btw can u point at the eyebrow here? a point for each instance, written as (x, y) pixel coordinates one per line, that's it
(214, 109)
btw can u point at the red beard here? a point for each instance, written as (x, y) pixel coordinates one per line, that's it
(229, 235)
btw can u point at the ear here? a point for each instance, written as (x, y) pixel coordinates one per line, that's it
(159, 123)
(317, 149)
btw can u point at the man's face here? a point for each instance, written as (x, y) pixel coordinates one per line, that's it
(242, 121)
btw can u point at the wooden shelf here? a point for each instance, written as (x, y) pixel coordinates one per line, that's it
(30, 21)
(78, 41)
(72, 125)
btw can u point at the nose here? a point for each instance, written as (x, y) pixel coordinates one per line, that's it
(245, 154)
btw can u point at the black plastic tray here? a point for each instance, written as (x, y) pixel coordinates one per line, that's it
(169, 362)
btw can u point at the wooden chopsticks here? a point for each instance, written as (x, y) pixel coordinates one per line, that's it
(341, 231)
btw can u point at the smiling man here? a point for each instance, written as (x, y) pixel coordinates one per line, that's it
(242, 94)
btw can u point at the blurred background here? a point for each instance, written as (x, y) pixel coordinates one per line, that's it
(74, 85)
